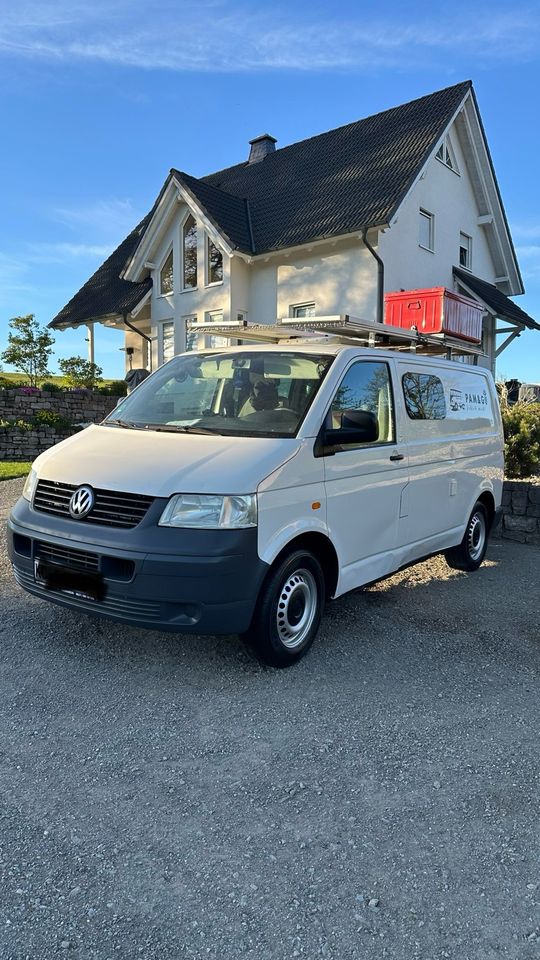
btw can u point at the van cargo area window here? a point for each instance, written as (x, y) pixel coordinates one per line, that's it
(247, 394)
(424, 396)
(365, 388)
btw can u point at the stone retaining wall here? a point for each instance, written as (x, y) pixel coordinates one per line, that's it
(520, 511)
(77, 407)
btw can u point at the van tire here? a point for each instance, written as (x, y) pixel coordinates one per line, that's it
(471, 551)
(288, 611)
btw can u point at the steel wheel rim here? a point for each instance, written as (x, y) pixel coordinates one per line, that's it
(476, 537)
(296, 608)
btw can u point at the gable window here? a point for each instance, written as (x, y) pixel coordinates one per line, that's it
(426, 230)
(303, 310)
(214, 262)
(465, 251)
(189, 246)
(446, 155)
(167, 341)
(166, 276)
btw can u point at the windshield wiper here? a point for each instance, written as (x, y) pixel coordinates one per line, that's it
(122, 423)
(175, 428)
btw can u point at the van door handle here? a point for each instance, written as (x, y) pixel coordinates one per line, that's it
(397, 456)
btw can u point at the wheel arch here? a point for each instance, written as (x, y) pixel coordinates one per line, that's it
(321, 547)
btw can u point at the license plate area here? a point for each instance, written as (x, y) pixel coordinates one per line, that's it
(74, 583)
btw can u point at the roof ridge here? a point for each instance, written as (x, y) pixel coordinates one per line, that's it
(466, 84)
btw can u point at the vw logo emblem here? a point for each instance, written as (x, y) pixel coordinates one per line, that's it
(81, 503)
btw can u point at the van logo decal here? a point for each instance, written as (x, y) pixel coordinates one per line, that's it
(81, 502)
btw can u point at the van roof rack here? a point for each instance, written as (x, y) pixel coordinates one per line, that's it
(342, 328)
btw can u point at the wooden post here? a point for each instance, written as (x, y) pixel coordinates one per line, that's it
(90, 340)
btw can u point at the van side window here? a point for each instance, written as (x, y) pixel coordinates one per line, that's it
(365, 388)
(424, 396)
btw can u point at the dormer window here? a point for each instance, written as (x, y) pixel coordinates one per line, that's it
(446, 155)
(166, 276)
(214, 262)
(189, 259)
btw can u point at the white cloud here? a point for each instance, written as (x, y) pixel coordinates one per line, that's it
(219, 36)
(60, 252)
(103, 218)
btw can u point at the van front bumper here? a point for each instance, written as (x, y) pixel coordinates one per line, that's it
(188, 581)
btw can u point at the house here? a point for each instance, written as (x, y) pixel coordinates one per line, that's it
(405, 199)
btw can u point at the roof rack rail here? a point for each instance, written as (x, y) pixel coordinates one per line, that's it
(343, 328)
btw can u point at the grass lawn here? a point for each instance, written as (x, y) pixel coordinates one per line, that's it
(9, 471)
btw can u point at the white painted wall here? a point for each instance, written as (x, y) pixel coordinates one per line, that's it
(449, 197)
(339, 278)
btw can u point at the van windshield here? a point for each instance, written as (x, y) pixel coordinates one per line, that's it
(252, 394)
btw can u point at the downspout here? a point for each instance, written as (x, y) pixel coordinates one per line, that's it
(380, 276)
(141, 334)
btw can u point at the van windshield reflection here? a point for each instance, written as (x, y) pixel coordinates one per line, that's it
(260, 393)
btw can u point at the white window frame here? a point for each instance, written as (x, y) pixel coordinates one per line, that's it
(430, 217)
(162, 266)
(448, 155)
(466, 246)
(162, 325)
(208, 282)
(295, 307)
(184, 289)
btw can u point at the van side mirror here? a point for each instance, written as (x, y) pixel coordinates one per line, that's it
(357, 426)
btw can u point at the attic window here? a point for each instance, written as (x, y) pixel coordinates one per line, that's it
(214, 262)
(189, 245)
(446, 155)
(465, 251)
(166, 276)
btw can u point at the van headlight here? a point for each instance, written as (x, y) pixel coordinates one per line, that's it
(30, 486)
(210, 512)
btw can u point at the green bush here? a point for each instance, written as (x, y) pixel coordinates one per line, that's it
(8, 384)
(116, 388)
(47, 418)
(51, 387)
(522, 439)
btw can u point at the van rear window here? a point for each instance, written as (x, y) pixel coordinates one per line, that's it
(424, 396)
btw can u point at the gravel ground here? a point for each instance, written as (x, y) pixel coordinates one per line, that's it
(166, 797)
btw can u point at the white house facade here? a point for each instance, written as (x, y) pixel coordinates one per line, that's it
(320, 228)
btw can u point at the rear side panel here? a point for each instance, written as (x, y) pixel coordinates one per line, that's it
(455, 448)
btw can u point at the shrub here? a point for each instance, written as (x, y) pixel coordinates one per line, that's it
(47, 418)
(522, 439)
(51, 387)
(6, 384)
(80, 373)
(117, 388)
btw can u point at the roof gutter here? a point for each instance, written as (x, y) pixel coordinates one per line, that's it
(380, 276)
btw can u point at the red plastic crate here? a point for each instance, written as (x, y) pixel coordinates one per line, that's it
(437, 310)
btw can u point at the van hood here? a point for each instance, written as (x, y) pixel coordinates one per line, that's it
(161, 464)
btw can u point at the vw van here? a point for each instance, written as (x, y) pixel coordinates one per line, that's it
(236, 490)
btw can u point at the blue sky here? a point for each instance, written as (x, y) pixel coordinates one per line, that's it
(100, 99)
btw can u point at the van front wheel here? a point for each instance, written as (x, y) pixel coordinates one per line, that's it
(472, 549)
(289, 610)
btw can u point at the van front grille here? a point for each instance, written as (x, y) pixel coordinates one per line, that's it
(66, 557)
(111, 508)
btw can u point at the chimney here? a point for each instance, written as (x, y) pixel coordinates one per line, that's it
(261, 147)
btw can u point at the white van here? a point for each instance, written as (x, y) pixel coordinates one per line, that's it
(235, 490)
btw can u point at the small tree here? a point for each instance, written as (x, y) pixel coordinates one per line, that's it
(80, 373)
(29, 348)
